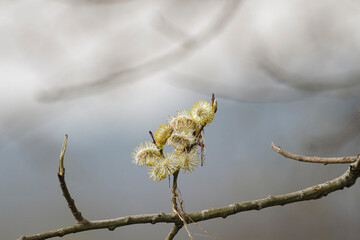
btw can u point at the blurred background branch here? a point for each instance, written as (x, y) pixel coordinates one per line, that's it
(149, 67)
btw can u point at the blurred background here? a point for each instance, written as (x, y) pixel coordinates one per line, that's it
(106, 72)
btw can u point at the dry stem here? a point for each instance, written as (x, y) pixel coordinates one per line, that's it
(61, 175)
(336, 160)
(173, 232)
(175, 208)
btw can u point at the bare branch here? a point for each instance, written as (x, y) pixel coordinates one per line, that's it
(336, 160)
(202, 229)
(315, 192)
(152, 137)
(173, 232)
(173, 191)
(175, 208)
(61, 175)
(192, 221)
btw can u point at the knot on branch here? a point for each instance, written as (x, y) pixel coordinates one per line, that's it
(355, 171)
(355, 168)
(112, 228)
(153, 219)
(179, 223)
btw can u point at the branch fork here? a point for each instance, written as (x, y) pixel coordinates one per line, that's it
(311, 193)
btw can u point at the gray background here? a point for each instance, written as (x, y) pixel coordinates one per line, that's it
(283, 71)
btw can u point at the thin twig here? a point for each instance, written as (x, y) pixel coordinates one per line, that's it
(152, 137)
(202, 229)
(173, 232)
(187, 215)
(61, 175)
(312, 193)
(336, 160)
(173, 190)
(61, 158)
(201, 141)
(175, 208)
(214, 103)
(154, 142)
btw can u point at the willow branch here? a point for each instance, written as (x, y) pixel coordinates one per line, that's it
(178, 225)
(173, 191)
(175, 207)
(173, 232)
(312, 193)
(152, 137)
(192, 221)
(61, 175)
(336, 160)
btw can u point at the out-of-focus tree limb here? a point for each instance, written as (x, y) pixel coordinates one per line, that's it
(337, 138)
(94, 2)
(310, 84)
(149, 67)
(252, 93)
(173, 232)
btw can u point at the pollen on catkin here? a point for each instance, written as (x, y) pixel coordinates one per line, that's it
(188, 161)
(183, 122)
(145, 154)
(162, 133)
(202, 112)
(163, 168)
(181, 140)
(185, 133)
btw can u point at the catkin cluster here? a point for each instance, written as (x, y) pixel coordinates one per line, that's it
(180, 132)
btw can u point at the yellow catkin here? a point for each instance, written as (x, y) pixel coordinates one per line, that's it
(162, 133)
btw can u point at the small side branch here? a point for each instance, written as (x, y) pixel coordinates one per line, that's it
(61, 158)
(173, 191)
(312, 193)
(336, 160)
(152, 137)
(61, 175)
(173, 232)
(175, 208)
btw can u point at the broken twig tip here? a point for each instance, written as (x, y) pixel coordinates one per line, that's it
(275, 147)
(61, 159)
